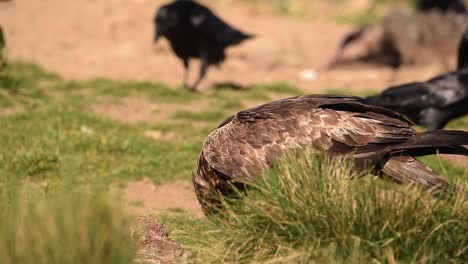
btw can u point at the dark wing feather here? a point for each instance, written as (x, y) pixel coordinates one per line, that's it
(308, 101)
(369, 111)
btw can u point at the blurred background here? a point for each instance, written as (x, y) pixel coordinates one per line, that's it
(113, 38)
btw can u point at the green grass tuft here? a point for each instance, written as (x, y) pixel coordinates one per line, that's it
(74, 225)
(461, 122)
(154, 91)
(307, 210)
(360, 19)
(20, 84)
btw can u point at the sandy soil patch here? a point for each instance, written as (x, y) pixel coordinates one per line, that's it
(140, 110)
(6, 111)
(144, 197)
(127, 110)
(159, 135)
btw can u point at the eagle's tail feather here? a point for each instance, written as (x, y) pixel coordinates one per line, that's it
(406, 169)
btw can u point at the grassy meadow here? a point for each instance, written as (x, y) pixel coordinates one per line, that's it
(61, 151)
(337, 9)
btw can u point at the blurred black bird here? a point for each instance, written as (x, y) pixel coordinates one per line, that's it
(406, 38)
(2, 46)
(457, 6)
(193, 31)
(462, 60)
(2, 38)
(433, 103)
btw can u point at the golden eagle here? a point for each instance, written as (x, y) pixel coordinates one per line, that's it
(379, 140)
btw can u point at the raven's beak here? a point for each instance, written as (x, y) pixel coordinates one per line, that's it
(157, 36)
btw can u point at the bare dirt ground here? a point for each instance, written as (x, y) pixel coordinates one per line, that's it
(133, 110)
(144, 197)
(128, 110)
(83, 39)
(155, 244)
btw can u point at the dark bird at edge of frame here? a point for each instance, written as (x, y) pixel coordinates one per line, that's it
(2, 47)
(194, 31)
(2, 39)
(457, 6)
(433, 103)
(380, 141)
(406, 38)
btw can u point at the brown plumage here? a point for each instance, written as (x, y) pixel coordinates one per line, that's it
(381, 141)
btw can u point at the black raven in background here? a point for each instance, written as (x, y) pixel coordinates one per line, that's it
(193, 31)
(2, 46)
(463, 52)
(433, 103)
(457, 6)
(2, 38)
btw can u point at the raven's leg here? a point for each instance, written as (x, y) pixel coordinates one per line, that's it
(394, 75)
(203, 69)
(186, 71)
